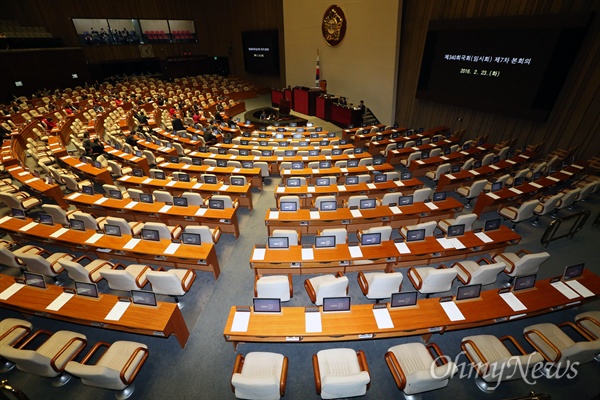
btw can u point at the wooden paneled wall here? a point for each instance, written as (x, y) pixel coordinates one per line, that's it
(575, 118)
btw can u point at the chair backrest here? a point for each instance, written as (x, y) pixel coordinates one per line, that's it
(320, 199)
(435, 152)
(441, 170)
(227, 202)
(525, 211)
(203, 231)
(438, 280)
(386, 231)
(364, 178)
(273, 286)
(11, 200)
(163, 196)
(37, 264)
(134, 193)
(568, 199)
(264, 168)
(487, 159)
(468, 164)
(88, 219)
(476, 188)
(119, 279)
(382, 285)
(121, 223)
(234, 164)
(428, 226)
(209, 162)
(466, 219)
(341, 235)
(291, 234)
(548, 205)
(335, 287)
(392, 176)
(59, 216)
(389, 198)
(412, 157)
(8, 259)
(75, 271)
(166, 282)
(153, 172)
(163, 230)
(290, 199)
(368, 161)
(486, 274)
(354, 201)
(529, 263)
(193, 198)
(422, 194)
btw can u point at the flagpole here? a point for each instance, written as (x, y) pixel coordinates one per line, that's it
(318, 72)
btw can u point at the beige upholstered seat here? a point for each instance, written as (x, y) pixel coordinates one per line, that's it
(10, 257)
(379, 285)
(207, 235)
(293, 236)
(340, 234)
(173, 282)
(428, 226)
(19, 200)
(386, 232)
(12, 330)
(165, 232)
(522, 213)
(326, 286)
(59, 215)
(290, 199)
(546, 206)
(590, 322)
(132, 277)
(474, 272)
(522, 262)
(132, 228)
(420, 195)
(472, 192)
(438, 172)
(259, 376)
(341, 373)
(466, 219)
(88, 272)
(45, 263)
(274, 286)
(428, 280)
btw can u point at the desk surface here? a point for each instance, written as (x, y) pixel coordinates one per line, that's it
(164, 320)
(427, 317)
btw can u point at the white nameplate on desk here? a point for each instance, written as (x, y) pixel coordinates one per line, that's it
(94, 238)
(311, 189)
(402, 248)
(356, 213)
(315, 215)
(371, 186)
(125, 178)
(211, 168)
(201, 211)
(399, 183)
(32, 180)
(450, 176)
(432, 206)
(513, 302)
(444, 158)
(511, 161)
(79, 165)
(355, 251)
(493, 196)
(130, 205)
(165, 209)
(240, 321)
(101, 200)
(457, 243)
(515, 190)
(494, 167)
(224, 187)
(5, 218)
(259, 254)
(146, 181)
(341, 188)
(117, 311)
(452, 311)
(186, 166)
(370, 168)
(197, 185)
(483, 237)
(172, 248)
(553, 178)
(12, 289)
(280, 189)
(60, 301)
(344, 170)
(536, 185)
(395, 210)
(445, 243)
(315, 170)
(383, 318)
(420, 161)
(308, 254)
(273, 214)
(312, 322)
(59, 232)
(566, 172)
(472, 171)
(132, 243)
(28, 226)
(171, 183)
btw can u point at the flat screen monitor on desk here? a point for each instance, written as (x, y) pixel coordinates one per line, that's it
(112, 230)
(405, 200)
(88, 189)
(196, 161)
(115, 194)
(324, 164)
(399, 145)
(150, 234)
(266, 305)
(518, 181)
(86, 289)
(337, 152)
(97, 164)
(322, 182)
(247, 164)
(77, 224)
(456, 230)
(146, 198)
(288, 206)
(496, 186)
(536, 176)
(289, 153)
(351, 180)
(46, 219)
(447, 150)
(424, 155)
(180, 201)
(359, 150)
(244, 152)
(297, 165)
(455, 168)
(477, 164)
(369, 239)
(236, 181)
(266, 153)
(169, 145)
(496, 160)
(336, 304)
(209, 179)
(190, 238)
(322, 242)
(492, 224)
(405, 176)
(574, 271)
(303, 143)
(35, 280)
(439, 196)
(275, 242)
(366, 204)
(524, 282)
(137, 172)
(216, 204)
(222, 163)
(403, 299)
(174, 159)
(144, 298)
(328, 205)
(465, 147)
(292, 182)
(468, 292)
(183, 177)
(313, 153)
(415, 235)
(380, 178)
(352, 163)
(18, 213)
(159, 175)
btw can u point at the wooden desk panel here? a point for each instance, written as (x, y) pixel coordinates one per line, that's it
(426, 318)
(395, 156)
(252, 174)
(100, 175)
(164, 320)
(128, 159)
(38, 185)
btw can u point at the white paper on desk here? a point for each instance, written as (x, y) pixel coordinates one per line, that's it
(512, 301)
(420, 161)
(383, 318)
(5, 218)
(315, 170)
(562, 171)
(395, 210)
(311, 189)
(280, 158)
(457, 243)
(258, 254)
(371, 186)
(171, 248)
(565, 290)
(328, 157)
(452, 311)
(399, 183)
(355, 251)
(553, 178)
(402, 248)
(312, 322)
(125, 178)
(370, 168)
(171, 183)
(341, 188)
(494, 167)
(280, 189)
(74, 196)
(12, 289)
(211, 168)
(450, 176)
(375, 143)
(493, 196)
(23, 173)
(28, 226)
(308, 254)
(32, 180)
(130, 205)
(511, 161)
(344, 170)
(212, 155)
(356, 213)
(113, 151)
(132, 243)
(432, 206)
(236, 170)
(165, 208)
(515, 190)
(315, 215)
(186, 166)
(101, 200)
(256, 158)
(351, 156)
(483, 237)
(79, 165)
(536, 185)
(60, 301)
(224, 187)
(273, 214)
(577, 166)
(59, 232)
(579, 288)
(146, 181)
(201, 212)
(446, 243)
(94, 238)
(464, 153)
(240, 321)
(472, 171)
(197, 185)
(117, 311)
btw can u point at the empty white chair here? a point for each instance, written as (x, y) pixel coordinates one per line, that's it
(227, 201)
(45, 263)
(420, 195)
(467, 164)
(165, 232)
(340, 234)
(341, 373)
(522, 213)
(259, 375)
(152, 160)
(12, 330)
(415, 370)
(392, 176)
(10, 257)
(502, 179)
(520, 174)
(466, 219)
(117, 170)
(326, 286)
(386, 232)
(320, 199)
(390, 198)
(133, 277)
(379, 285)
(487, 159)
(88, 272)
(292, 235)
(173, 282)
(522, 262)
(412, 157)
(153, 172)
(290, 199)
(364, 178)
(162, 196)
(59, 216)
(134, 194)
(274, 286)
(132, 228)
(428, 226)
(193, 199)
(439, 171)
(590, 322)
(207, 235)
(108, 187)
(567, 200)
(474, 272)
(90, 221)
(473, 191)
(354, 201)
(19, 200)
(428, 280)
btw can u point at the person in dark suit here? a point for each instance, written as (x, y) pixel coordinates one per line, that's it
(97, 147)
(177, 124)
(362, 107)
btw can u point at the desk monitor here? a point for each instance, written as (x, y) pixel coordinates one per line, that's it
(174, 159)
(324, 143)
(379, 138)
(518, 181)
(144, 298)
(284, 144)
(454, 169)
(415, 235)
(137, 172)
(292, 182)
(159, 175)
(183, 177)
(368, 239)
(465, 147)
(244, 152)
(536, 176)
(112, 230)
(404, 299)
(418, 141)
(496, 186)
(89, 190)
(297, 165)
(247, 164)
(216, 204)
(77, 224)
(496, 160)
(359, 150)
(303, 143)
(524, 282)
(378, 161)
(266, 305)
(468, 292)
(35, 280)
(194, 137)
(288, 206)
(352, 163)
(97, 164)
(447, 150)
(492, 224)
(395, 135)
(180, 201)
(190, 238)
(157, 142)
(46, 219)
(169, 145)
(477, 164)
(86, 289)
(424, 155)
(18, 213)
(343, 142)
(226, 140)
(405, 200)
(150, 234)
(366, 204)
(115, 194)
(289, 153)
(336, 304)
(276, 242)
(210, 179)
(146, 198)
(196, 161)
(572, 272)
(322, 242)
(319, 129)
(236, 181)
(117, 146)
(262, 135)
(297, 135)
(399, 145)
(435, 139)
(324, 164)
(328, 205)
(202, 149)
(351, 180)
(221, 163)
(405, 176)
(266, 153)
(309, 124)
(439, 196)
(456, 230)
(380, 178)
(322, 182)
(280, 130)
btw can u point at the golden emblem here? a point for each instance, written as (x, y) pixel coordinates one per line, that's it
(334, 25)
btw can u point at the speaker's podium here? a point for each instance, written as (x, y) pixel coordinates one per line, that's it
(284, 107)
(305, 100)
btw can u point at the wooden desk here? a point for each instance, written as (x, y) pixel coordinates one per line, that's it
(420, 167)
(379, 257)
(100, 175)
(302, 222)
(164, 320)
(311, 174)
(274, 145)
(252, 174)
(396, 155)
(426, 318)
(149, 185)
(129, 159)
(184, 141)
(225, 219)
(157, 149)
(38, 185)
(203, 257)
